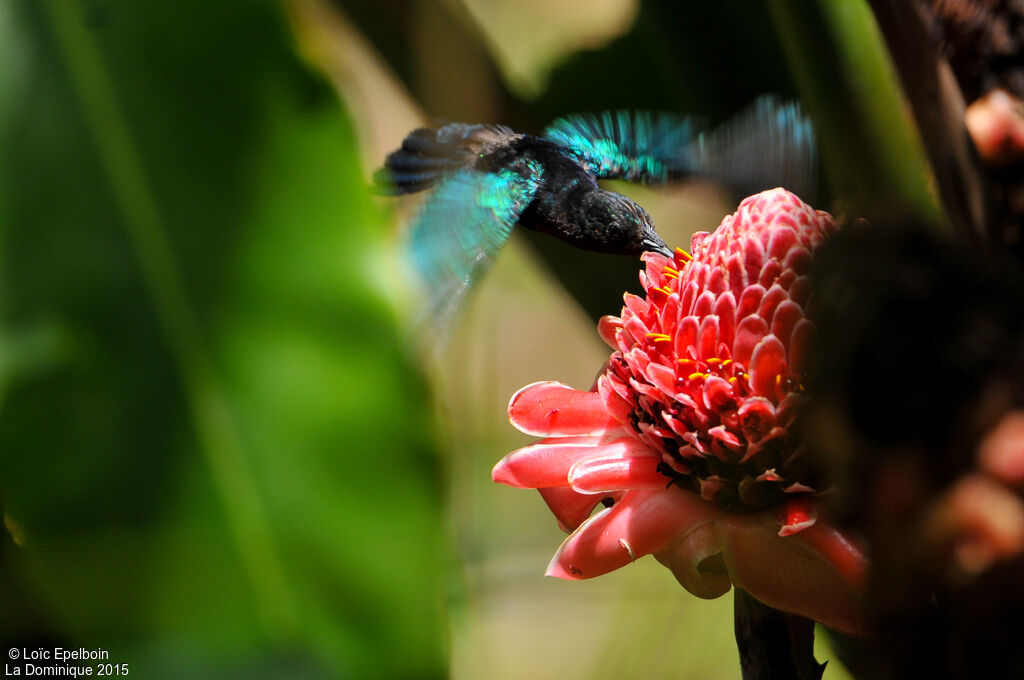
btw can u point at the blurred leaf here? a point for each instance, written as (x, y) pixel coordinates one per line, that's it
(938, 107)
(870, 147)
(225, 469)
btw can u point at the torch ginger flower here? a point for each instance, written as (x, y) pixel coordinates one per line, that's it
(687, 439)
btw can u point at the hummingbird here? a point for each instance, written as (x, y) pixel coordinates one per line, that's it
(487, 179)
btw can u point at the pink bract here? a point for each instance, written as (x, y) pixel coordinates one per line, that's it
(687, 438)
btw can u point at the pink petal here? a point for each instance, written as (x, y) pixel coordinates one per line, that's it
(697, 272)
(786, 279)
(617, 406)
(780, 242)
(769, 273)
(717, 393)
(716, 281)
(655, 266)
(687, 295)
(767, 362)
(797, 515)
(669, 315)
(725, 310)
(798, 259)
(677, 427)
(548, 463)
(635, 327)
(686, 336)
(816, 574)
(748, 334)
(704, 304)
(663, 377)
(607, 327)
(638, 360)
(723, 435)
(636, 304)
(695, 559)
(737, 274)
(642, 522)
(754, 253)
(772, 299)
(750, 300)
(604, 475)
(800, 342)
(569, 507)
(707, 337)
(800, 290)
(551, 408)
(757, 418)
(787, 315)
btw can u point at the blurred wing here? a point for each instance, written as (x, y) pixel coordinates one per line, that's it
(464, 224)
(428, 155)
(770, 144)
(638, 146)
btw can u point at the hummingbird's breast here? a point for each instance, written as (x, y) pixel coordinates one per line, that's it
(557, 206)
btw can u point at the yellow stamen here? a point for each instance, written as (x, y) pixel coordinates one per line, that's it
(733, 380)
(698, 374)
(657, 336)
(714, 360)
(683, 255)
(686, 361)
(726, 363)
(664, 290)
(670, 272)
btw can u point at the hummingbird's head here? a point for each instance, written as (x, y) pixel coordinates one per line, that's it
(621, 225)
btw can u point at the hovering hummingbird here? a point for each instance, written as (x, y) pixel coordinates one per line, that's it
(486, 179)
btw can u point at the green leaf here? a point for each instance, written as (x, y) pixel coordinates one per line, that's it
(220, 460)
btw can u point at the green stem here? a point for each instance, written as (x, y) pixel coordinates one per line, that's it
(870, 147)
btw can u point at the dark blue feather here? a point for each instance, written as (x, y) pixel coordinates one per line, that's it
(427, 155)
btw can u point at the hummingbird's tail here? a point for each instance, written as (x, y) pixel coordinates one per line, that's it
(428, 155)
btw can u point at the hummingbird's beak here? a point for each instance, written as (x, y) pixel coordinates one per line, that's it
(654, 243)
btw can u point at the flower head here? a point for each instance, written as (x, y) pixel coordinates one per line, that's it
(687, 440)
(710, 368)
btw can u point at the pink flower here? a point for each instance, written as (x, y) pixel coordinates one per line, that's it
(687, 440)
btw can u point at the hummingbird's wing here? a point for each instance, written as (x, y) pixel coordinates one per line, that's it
(638, 146)
(460, 230)
(769, 144)
(428, 155)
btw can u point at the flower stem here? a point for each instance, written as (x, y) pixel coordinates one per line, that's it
(773, 645)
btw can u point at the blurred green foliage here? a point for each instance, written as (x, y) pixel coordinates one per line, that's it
(214, 456)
